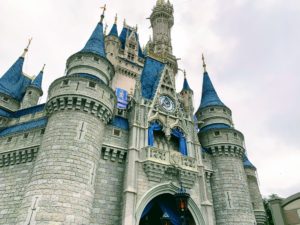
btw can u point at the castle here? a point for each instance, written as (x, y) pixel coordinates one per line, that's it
(114, 141)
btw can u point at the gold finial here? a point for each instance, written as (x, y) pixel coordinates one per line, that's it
(27, 47)
(204, 65)
(103, 12)
(43, 68)
(116, 18)
(124, 23)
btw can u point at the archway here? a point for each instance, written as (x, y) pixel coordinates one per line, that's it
(160, 205)
(166, 188)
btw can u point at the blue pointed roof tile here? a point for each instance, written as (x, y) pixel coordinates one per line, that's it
(247, 163)
(186, 86)
(114, 31)
(13, 83)
(95, 44)
(150, 77)
(37, 82)
(209, 94)
(123, 37)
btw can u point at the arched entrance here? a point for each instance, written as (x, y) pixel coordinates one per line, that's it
(160, 205)
(161, 189)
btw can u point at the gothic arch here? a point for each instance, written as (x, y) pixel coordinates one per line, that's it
(166, 188)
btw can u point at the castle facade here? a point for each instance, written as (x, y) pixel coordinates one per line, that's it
(115, 141)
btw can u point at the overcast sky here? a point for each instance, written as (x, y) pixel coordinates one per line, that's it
(252, 51)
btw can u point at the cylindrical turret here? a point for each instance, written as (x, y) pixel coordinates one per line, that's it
(33, 91)
(187, 96)
(256, 199)
(61, 190)
(112, 43)
(230, 192)
(231, 198)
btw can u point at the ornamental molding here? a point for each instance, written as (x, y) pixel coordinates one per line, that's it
(113, 154)
(18, 156)
(169, 165)
(79, 103)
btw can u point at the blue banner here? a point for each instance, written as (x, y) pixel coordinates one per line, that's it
(122, 98)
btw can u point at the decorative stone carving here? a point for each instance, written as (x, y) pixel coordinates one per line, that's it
(18, 156)
(159, 163)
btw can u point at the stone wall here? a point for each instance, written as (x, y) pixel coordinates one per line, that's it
(13, 181)
(107, 205)
(231, 197)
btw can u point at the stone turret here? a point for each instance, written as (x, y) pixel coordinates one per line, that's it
(79, 106)
(229, 186)
(256, 199)
(33, 91)
(113, 43)
(187, 95)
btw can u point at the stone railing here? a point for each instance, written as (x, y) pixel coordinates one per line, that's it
(166, 165)
(170, 157)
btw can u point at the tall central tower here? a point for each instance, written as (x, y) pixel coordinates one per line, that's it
(162, 20)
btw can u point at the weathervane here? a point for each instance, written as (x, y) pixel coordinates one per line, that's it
(103, 12)
(27, 47)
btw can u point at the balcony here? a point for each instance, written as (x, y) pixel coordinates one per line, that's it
(167, 164)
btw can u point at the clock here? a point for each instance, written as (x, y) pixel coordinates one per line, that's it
(167, 103)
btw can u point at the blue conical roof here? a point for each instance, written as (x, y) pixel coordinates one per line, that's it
(114, 31)
(186, 86)
(247, 163)
(37, 82)
(209, 94)
(13, 83)
(95, 44)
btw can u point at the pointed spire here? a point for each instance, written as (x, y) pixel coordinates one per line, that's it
(186, 86)
(27, 47)
(116, 18)
(114, 28)
(204, 64)
(43, 68)
(95, 44)
(209, 94)
(37, 82)
(13, 83)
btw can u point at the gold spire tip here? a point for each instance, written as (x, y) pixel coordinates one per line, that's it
(27, 47)
(204, 64)
(43, 68)
(103, 12)
(116, 18)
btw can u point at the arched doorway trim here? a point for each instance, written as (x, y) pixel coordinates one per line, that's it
(166, 188)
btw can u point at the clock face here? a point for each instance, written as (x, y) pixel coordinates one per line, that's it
(167, 103)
